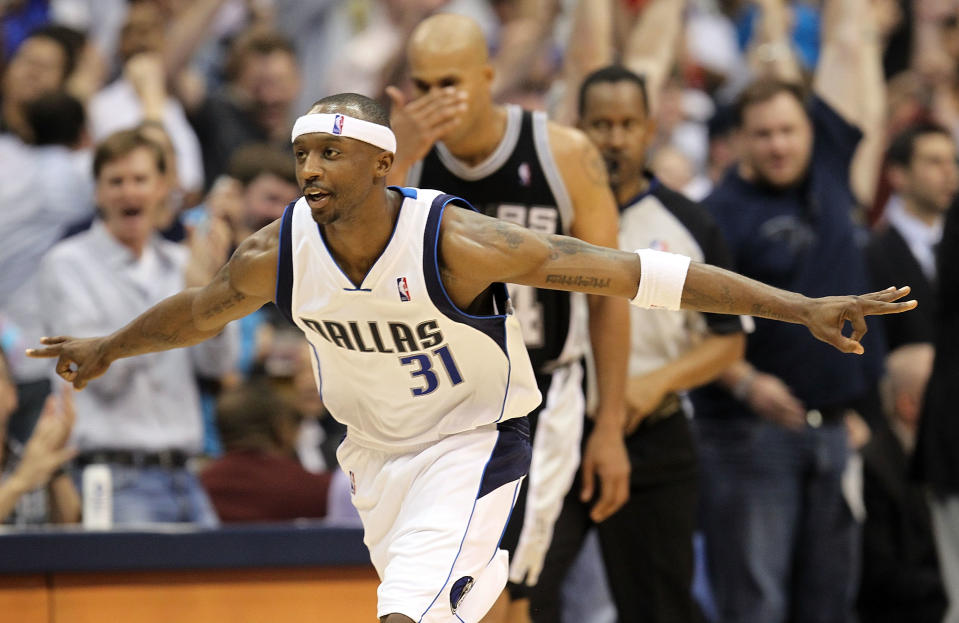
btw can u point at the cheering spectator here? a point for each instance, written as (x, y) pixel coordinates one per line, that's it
(33, 486)
(140, 93)
(254, 106)
(42, 64)
(780, 538)
(142, 419)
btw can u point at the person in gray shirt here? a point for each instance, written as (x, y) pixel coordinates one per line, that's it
(143, 418)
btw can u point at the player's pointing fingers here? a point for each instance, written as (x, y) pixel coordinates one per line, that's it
(54, 347)
(44, 353)
(879, 308)
(888, 295)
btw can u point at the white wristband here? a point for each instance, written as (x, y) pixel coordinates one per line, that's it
(662, 279)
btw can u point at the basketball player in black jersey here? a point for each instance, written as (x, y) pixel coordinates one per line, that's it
(517, 166)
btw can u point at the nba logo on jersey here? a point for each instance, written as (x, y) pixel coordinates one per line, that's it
(352, 483)
(525, 177)
(338, 124)
(403, 288)
(659, 245)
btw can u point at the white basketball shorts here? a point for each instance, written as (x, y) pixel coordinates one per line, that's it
(433, 519)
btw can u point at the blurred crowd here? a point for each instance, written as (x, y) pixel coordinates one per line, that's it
(142, 140)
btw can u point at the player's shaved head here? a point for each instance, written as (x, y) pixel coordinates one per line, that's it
(448, 55)
(455, 37)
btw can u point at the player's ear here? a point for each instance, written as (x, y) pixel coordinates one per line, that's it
(488, 73)
(383, 164)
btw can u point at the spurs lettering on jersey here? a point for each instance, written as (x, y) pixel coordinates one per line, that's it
(529, 310)
(541, 219)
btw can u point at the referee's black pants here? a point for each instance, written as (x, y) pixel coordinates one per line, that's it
(647, 545)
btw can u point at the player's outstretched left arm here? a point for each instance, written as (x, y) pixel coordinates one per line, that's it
(478, 250)
(243, 285)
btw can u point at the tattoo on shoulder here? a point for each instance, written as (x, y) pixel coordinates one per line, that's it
(595, 168)
(225, 304)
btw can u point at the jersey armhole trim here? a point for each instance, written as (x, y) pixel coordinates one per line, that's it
(406, 191)
(493, 325)
(553, 177)
(284, 265)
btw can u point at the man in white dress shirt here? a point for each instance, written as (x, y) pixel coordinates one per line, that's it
(142, 419)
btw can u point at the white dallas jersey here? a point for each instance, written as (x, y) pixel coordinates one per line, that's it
(394, 358)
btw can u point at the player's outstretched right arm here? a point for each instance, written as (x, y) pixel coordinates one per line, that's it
(477, 250)
(243, 285)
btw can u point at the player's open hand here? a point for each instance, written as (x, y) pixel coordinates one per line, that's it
(79, 359)
(827, 317)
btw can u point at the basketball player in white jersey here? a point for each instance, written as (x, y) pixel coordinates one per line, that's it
(399, 292)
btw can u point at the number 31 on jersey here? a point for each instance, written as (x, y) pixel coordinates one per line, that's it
(423, 367)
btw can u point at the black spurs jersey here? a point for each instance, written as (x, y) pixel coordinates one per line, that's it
(520, 182)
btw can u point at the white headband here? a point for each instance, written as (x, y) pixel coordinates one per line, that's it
(350, 127)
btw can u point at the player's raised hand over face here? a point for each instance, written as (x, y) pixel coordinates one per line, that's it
(827, 317)
(78, 359)
(420, 123)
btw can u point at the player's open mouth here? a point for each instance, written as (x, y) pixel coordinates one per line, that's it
(316, 198)
(131, 212)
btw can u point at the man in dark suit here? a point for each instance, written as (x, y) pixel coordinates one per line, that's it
(936, 460)
(922, 171)
(900, 573)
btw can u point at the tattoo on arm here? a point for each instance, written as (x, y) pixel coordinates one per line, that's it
(164, 337)
(224, 305)
(509, 234)
(578, 281)
(764, 311)
(560, 246)
(151, 334)
(722, 301)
